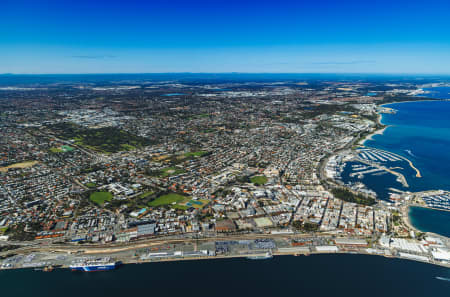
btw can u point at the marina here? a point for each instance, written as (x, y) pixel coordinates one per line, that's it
(437, 200)
(352, 169)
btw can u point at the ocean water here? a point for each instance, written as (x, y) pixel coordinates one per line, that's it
(315, 275)
(420, 131)
(378, 183)
(438, 93)
(173, 94)
(430, 220)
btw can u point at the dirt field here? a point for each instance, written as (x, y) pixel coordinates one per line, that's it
(19, 165)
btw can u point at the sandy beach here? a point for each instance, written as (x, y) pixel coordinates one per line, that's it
(376, 132)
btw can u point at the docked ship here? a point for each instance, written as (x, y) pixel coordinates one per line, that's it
(265, 256)
(90, 265)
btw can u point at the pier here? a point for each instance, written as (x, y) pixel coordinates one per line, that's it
(380, 155)
(413, 167)
(400, 177)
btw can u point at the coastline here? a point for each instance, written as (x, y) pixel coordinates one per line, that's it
(92, 250)
(380, 118)
(406, 209)
(277, 254)
(376, 132)
(411, 101)
(407, 218)
(349, 251)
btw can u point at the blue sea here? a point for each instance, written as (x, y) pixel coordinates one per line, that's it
(315, 275)
(437, 92)
(173, 94)
(420, 131)
(430, 220)
(378, 183)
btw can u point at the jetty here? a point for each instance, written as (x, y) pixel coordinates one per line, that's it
(371, 154)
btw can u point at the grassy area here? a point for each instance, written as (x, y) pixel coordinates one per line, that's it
(90, 185)
(167, 199)
(195, 154)
(56, 150)
(348, 196)
(100, 197)
(107, 139)
(169, 171)
(146, 194)
(62, 149)
(127, 147)
(180, 206)
(259, 180)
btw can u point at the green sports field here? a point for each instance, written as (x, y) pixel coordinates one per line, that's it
(167, 199)
(100, 197)
(259, 180)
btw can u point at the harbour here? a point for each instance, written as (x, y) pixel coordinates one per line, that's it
(281, 276)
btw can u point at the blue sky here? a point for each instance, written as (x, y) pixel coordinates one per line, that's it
(68, 36)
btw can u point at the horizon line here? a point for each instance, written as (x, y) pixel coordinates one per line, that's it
(232, 72)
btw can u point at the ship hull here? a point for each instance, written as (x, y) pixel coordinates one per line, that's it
(93, 268)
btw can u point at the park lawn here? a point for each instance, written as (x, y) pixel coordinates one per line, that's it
(127, 147)
(195, 154)
(169, 171)
(100, 197)
(167, 199)
(259, 180)
(90, 185)
(104, 139)
(180, 206)
(55, 150)
(146, 194)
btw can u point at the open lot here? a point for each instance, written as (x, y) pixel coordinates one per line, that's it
(19, 165)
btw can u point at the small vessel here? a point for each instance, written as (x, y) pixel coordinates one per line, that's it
(90, 265)
(410, 153)
(443, 278)
(265, 256)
